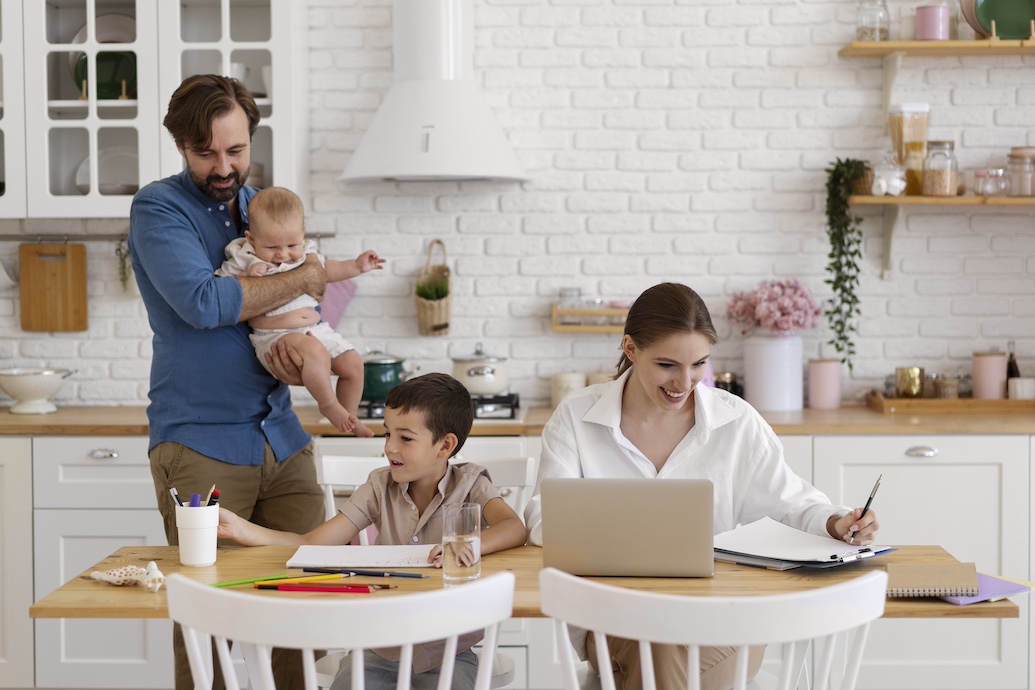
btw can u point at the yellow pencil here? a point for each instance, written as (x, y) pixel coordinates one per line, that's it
(292, 580)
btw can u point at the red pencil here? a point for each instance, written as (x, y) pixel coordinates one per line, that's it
(353, 589)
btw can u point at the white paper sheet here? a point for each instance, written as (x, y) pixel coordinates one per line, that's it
(767, 538)
(407, 556)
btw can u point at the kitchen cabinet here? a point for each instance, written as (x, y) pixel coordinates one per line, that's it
(12, 115)
(970, 494)
(16, 641)
(91, 496)
(93, 113)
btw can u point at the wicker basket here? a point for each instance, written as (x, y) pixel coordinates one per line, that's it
(433, 315)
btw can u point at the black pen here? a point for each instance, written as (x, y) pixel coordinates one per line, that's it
(867, 506)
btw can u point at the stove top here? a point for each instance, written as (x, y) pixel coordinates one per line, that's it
(485, 407)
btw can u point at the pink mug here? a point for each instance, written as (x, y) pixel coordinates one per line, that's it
(932, 23)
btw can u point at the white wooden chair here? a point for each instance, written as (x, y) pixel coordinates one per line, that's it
(512, 475)
(831, 615)
(257, 623)
(340, 471)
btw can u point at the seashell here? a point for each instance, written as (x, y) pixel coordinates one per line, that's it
(150, 577)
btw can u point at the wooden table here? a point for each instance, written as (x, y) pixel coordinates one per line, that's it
(86, 598)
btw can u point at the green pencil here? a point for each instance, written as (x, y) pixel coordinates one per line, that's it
(253, 580)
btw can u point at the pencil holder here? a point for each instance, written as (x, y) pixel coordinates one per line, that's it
(196, 530)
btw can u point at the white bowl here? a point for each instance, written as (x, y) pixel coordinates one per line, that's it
(31, 388)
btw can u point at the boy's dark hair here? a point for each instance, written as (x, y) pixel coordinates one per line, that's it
(446, 405)
(199, 100)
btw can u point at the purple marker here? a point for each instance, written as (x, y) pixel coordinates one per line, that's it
(195, 500)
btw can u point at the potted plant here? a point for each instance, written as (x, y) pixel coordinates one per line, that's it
(845, 234)
(434, 304)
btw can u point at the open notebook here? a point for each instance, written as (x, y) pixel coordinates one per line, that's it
(406, 556)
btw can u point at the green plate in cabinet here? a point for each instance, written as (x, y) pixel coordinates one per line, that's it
(112, 69)
(1012, 17)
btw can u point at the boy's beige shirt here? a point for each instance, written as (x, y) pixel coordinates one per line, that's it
(387, 505)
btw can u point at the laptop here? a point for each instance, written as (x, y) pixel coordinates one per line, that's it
(628, 527)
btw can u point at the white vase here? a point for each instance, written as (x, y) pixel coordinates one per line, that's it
(773, 372)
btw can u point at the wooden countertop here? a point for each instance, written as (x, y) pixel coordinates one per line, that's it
(129, 421)
(86, 598)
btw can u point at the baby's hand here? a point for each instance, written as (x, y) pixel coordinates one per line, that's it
(368, 261)
(435, 557)
(257, 270)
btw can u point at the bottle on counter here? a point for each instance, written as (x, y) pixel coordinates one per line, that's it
(1012, 370)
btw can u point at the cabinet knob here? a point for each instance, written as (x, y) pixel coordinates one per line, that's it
(921, 452)
(504, 492)
(104, 454)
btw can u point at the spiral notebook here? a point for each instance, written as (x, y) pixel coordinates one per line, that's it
(932, 579)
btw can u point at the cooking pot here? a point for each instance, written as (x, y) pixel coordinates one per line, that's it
(481, 373)
(381, 373)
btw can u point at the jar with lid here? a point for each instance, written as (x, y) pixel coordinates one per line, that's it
(991, 182)
(1022, 175)
(872, 21)
(940, 169)
(907, 126)
(570, 298)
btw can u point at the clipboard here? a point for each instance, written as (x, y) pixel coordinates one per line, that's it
(767, 543)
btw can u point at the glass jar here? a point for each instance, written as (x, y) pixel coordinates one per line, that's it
(1022, 175)
(940, 169)
(991, 182)
(570, 298)
(907, 126)
(872, 21)
(889, 178)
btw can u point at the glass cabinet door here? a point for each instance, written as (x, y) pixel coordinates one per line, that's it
(12, 114)
(91, 104)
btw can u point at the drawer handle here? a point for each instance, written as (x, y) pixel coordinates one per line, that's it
(922, 452)
(104, 454)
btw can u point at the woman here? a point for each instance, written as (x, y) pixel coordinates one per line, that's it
(654, 421)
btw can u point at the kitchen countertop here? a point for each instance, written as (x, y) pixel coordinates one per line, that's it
(132, 421)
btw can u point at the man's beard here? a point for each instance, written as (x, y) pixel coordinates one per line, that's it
(207, 185)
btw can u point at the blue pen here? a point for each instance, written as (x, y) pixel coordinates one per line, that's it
(195, 500)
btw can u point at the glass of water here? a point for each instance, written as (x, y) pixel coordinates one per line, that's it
(461, 543)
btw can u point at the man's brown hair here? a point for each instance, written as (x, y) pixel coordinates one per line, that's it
(198, 101)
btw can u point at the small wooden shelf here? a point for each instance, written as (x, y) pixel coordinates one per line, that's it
(876, 401)
(558, 327)
(984, 47)
(967, 200)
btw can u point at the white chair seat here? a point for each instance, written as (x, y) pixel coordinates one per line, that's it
(503, 670)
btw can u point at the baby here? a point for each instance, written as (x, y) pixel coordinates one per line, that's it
(275, 242)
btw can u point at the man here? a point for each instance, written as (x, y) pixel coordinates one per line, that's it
(216, 416)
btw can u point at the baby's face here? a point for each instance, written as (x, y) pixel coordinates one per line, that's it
(278, 242)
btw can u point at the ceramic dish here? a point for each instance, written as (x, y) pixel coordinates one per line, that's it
(1012, 17)
(112, 70)
(110, 28)
(117, 170)
(967, 10)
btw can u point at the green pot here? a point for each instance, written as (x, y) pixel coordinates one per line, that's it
(381, 373)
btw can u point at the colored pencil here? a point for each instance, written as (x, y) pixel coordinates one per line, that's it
(352, 589)
(253, 580)
(366, 573)
(293, 580)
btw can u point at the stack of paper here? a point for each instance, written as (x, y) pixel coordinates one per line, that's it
(990, 588)
(407, 556)
(770, 544)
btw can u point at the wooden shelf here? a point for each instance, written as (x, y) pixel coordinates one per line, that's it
(967, 200)
(558, 327)
(985, 47)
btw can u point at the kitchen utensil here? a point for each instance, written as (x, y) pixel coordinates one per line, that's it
(31, 388)
(53, 287)
(480, 372)
(381, 373)
(1012, 17)
(967, 8)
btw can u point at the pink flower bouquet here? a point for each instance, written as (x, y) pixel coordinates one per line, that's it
(781, 306)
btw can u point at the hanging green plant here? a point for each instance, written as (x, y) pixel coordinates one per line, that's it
(433, 289)
(845, 234)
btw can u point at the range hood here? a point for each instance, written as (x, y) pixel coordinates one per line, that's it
(434, 123)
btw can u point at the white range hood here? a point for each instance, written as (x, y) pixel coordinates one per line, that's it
(433, 123)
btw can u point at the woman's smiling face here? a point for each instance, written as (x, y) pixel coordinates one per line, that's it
(668, 371)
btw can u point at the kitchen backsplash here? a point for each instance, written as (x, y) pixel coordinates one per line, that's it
(664, 141)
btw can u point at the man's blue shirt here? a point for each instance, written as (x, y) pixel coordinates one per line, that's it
(208, 390)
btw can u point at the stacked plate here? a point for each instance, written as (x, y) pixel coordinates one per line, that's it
(1013, 18)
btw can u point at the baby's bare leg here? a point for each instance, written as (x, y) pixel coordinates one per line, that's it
(348, 366)
(316, 376)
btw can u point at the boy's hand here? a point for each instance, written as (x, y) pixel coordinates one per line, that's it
(368, 261)
(229, 525)
(435, 557)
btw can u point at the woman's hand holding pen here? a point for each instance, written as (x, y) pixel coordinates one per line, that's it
(864, 527)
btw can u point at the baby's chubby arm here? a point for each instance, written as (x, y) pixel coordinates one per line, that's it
(506, 531)
(336, 531)
(343, 270)
(257, 270)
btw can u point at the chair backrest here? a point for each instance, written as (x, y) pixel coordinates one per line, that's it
(515, 474)
(344, 471)
(843, 610)
(258, 622)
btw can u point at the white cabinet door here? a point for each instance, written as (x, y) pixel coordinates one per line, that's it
(92, 472)
(968, 494)
(96, 653)
(16, 648)
(797, 451)
(12, 114)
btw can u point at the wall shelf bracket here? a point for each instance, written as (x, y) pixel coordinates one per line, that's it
(890, 220)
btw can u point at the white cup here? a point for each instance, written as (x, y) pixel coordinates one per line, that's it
(1021, 388)
(239, 71)
(461, 543)
(197, 528)
(564, 383)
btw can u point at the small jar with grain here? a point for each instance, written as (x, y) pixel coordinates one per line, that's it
(941, 170)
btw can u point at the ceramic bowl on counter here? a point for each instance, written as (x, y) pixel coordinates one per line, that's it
(31, 388)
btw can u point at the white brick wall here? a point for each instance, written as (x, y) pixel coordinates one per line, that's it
(666, 140)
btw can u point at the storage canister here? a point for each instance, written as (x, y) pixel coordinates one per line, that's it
(940, 169)
(1022, 175)
(872, 21)
(907, 125)
(932, 22)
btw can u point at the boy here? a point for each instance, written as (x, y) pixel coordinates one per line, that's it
(275, 242)
(427, 420)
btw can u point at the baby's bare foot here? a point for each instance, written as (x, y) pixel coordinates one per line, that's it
(359, 428)
(339, 417)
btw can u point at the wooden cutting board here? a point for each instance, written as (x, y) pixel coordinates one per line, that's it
(53, 287)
